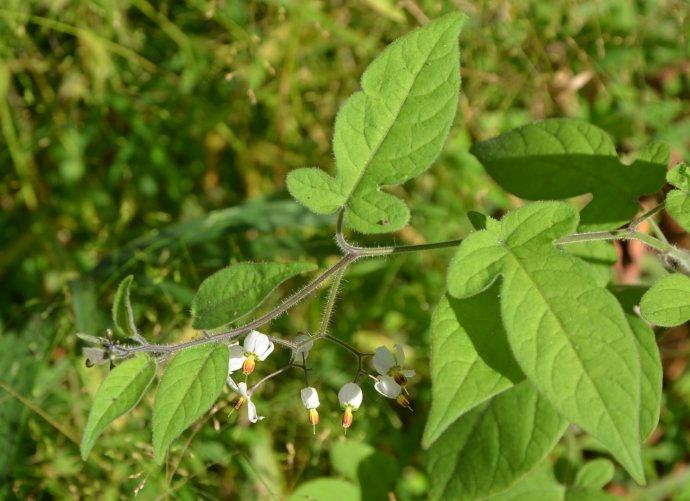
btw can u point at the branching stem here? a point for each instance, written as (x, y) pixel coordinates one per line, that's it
(352, 253)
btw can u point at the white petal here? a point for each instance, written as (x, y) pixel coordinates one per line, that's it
(233, 385)
(387, 387)
(251, 412)
(383, 360)
(310, 398)
(242, 389)
(408, 373)
(305, 344)
(399, 355)
(251, 340)
(262, 355)
(237, 358)
(350, 394)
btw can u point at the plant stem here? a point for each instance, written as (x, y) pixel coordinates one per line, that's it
(352, 253)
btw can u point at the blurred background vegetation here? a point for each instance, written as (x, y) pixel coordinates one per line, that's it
(154, 138)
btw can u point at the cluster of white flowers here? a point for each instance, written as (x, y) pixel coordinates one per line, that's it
(390, 382)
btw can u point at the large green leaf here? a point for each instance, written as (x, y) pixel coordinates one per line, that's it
(563, 158)
(190, 385)
(390, 131)
(492, 446)
(652, 375)
(120, 391)
(667, 302)
(568, 334)
(123, 316)
(235, 291)
(470, 359)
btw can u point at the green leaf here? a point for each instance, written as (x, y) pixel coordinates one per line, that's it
(235, 291)
(667, 302)
(390, 131)
(569, 335)
(120, 391)
(190, 385)
(471, 360)
(595, 474)
(331, 489)
(123, 316)
(563, 158)
(678, 201)
(375, 471)
(652, 375)
(541, 484)
(492, 446)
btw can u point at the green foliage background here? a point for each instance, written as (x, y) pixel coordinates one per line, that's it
(154, 139)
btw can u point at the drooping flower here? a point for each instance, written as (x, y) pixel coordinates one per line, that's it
(350, 396)
(310, 399)
(304, 344)
(257, 346)
(389, 364)
(244, 396)
(389, 388)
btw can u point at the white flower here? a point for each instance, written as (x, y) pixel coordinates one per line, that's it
(257, 346)
(304, 344)
(241, 389)
(350, 396)
(387, 387)
(388, 364)
(310, 399)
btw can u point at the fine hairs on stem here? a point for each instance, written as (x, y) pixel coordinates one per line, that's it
(352, 253)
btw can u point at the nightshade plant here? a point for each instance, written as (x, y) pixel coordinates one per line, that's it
(531, 336)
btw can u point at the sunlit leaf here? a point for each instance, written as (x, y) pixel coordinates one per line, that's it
(235, 291)
(390, 131)
(667, 302)
(190, 385)
(563, 158)
(569, 335)
(595, 474)
(470, 359)
(678, 200)
(492, 446)
(120, 391)
(332, 489)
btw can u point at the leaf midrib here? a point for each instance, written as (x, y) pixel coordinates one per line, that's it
(572, 348)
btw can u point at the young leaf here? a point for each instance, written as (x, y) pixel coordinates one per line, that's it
(678, 201)
(332, 489)
(471, 360)
(120, 391)
(390, 131)
(235, 291)
(595, 474)
(667, 302)
(568, 334)
(123, 316)
(492, 446)
(189, 386)
(651, 375)
(563, 158)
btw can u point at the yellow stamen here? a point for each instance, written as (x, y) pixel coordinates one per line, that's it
(347, 417)
(248, 365)
(314, 418)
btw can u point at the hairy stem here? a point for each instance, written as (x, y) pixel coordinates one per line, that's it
(352, 253)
